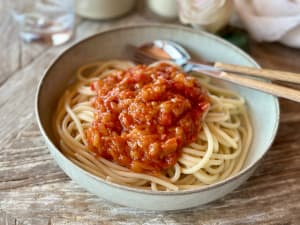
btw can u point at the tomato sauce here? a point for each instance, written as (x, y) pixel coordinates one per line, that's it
(145, 115)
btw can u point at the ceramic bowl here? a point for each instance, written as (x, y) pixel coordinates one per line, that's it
(264, 110)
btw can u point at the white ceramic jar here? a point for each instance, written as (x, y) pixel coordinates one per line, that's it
(163, 8)
(103, 9)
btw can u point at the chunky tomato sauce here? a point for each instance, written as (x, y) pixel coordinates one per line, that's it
(145, 115)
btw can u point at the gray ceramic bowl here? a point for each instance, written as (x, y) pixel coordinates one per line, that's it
(264, 111)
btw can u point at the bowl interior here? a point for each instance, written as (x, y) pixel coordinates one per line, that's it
(264, 110)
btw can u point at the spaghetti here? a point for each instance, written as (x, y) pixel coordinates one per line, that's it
(216, 153)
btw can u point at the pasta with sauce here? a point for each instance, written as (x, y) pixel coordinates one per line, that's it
(181, 160)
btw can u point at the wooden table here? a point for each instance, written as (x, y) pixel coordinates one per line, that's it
(34, 190)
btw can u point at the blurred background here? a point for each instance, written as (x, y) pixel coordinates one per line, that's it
(54, 22)
(34, 32)
(32, 26)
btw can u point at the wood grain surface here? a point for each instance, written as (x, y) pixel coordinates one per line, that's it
(33, 189)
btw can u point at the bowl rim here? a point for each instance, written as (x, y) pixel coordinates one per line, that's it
(141, 191)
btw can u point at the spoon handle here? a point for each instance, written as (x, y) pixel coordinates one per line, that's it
(260, 85)
(265, 73)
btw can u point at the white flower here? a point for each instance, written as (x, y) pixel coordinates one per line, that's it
(211, 15)
(271, 20)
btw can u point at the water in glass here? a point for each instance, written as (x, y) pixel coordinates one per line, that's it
(49, 21)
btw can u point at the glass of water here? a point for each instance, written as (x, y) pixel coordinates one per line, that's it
(47, 21)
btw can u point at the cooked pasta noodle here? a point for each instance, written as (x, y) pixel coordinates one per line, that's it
(218, 153)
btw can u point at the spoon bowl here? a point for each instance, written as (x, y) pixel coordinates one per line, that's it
(167, 50)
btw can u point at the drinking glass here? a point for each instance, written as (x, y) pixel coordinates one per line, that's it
(48, 21)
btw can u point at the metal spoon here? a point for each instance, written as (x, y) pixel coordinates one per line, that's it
(165, 49)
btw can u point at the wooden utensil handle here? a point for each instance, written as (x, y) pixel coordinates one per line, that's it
(270, 88)
(265, 73)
